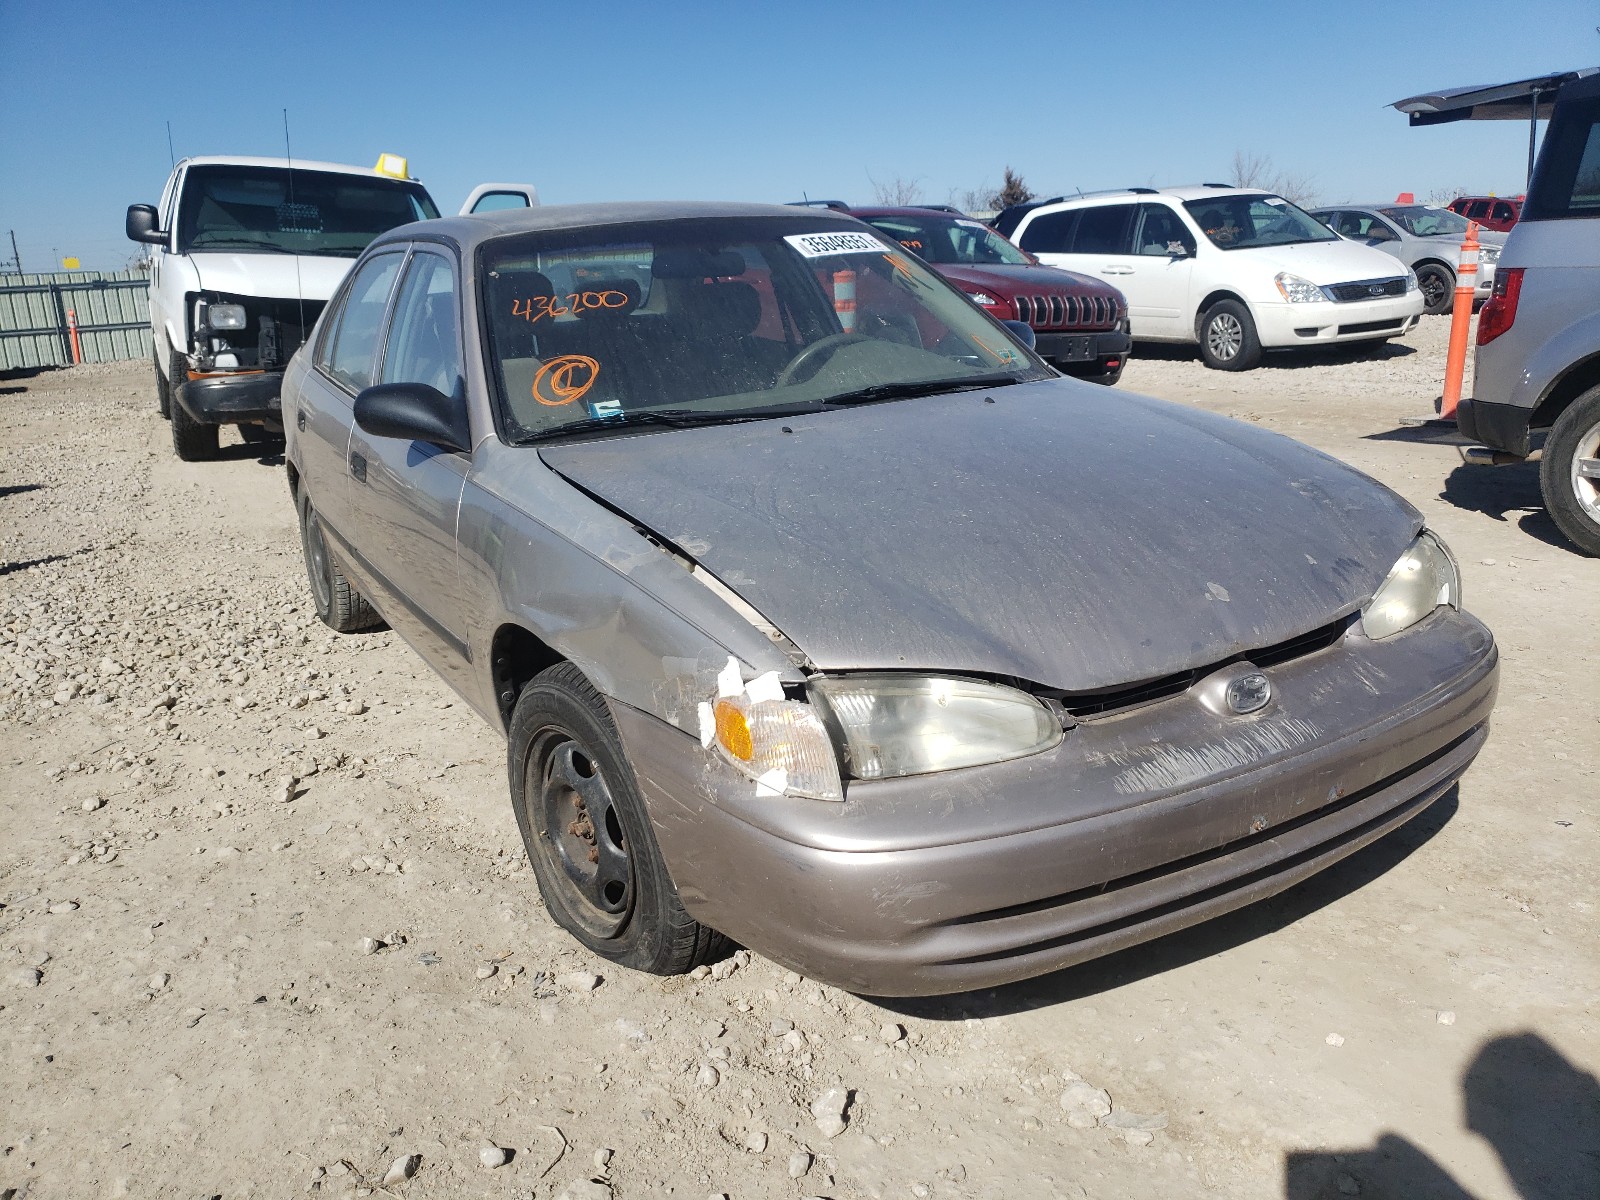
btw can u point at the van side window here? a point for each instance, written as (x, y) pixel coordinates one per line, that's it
(1104, 230)
(352, 343)
(1051, 233)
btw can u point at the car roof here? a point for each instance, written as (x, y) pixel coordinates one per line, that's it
(304, 164)
(909, 210)
(470, 231)
(1198, 191)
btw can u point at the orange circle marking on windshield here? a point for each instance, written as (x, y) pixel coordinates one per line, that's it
(565, 379)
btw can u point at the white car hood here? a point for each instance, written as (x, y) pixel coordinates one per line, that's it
(1327, 262)
(271, 276)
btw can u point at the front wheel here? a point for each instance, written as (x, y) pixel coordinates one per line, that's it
(1569, 472)
(1438, 288)
(587, 833)
(1228, 340)
(192, 441)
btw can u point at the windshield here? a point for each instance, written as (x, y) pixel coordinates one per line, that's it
(293, 211)
(1247, 222)
(729, 318)
(1423, 220)
(945, 241)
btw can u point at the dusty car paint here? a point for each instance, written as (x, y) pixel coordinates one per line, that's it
(1052, 537)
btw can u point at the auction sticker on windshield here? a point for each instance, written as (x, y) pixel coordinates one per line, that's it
(821, 245)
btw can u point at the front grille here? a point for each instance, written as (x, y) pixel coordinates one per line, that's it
(1368, 289)
(1086, 705)
(1068, 312)
(1372, 327)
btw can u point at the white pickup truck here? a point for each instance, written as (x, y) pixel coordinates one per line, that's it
(247, 253)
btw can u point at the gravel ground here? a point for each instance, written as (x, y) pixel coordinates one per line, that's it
(266, 926)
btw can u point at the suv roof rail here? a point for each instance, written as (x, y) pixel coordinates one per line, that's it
(836, 205)
(1144, 191)
(1219, 185)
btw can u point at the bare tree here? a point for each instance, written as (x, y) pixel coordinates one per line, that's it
(1012, 190)
(1252, 170)
(971, 200)
(896, 191)
(1442, 196)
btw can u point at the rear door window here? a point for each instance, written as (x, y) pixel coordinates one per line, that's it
(1502, 211)
(1051, 233)
(353, 345)
(1566, 182)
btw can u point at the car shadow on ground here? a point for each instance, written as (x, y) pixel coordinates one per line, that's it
(1192, 944)
(1539, 1112)
(11, 568)
(14, 489)
(268, 454)
(1289, 360)
(1500, 493)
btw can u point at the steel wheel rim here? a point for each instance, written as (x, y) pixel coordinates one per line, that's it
(578, 833)
(1225, 336)
(1585, 473)
(317, 565)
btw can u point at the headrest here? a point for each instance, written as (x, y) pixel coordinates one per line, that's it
(683, 262)
(730, 309)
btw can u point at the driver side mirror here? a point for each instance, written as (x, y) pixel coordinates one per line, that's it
(143, 225)
(414, 412)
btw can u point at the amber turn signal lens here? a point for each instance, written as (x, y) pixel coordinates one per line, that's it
(733, 731)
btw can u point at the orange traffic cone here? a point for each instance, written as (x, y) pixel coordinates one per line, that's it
(1455, 364)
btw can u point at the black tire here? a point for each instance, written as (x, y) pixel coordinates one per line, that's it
(1438, 285)
(338, 604)
(588, 836)
(192, 441)
(163, 388)
(1228, 340)
(1569, 472)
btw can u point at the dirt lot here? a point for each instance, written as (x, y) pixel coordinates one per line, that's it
(189, 1008)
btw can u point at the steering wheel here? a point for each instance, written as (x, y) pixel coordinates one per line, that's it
(822, 346)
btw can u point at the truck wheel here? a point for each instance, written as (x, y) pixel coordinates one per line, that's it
(163, 388)
(1228, 340)
(1569, 472)
(1438, 286)
(340, 606)
(193, 441)
(587, 833)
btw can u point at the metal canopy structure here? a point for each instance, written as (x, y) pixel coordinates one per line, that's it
(1520, 100)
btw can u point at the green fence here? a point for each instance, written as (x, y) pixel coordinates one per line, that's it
(112, 310)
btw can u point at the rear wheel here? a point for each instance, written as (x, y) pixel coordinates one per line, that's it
(1438, 287)
(587, 833)
(1228, 340)
(339, 605)
(1569, 472)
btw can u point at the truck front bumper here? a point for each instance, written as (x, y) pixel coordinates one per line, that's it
(233, 398)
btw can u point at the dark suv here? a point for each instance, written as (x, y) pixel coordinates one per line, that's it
(1080, 324)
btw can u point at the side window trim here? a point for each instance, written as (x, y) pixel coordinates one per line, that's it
(330, 336)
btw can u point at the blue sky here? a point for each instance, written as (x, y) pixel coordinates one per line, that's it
(607, 100)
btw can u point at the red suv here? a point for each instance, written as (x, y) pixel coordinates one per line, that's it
(1492, 212)
(1080, 324)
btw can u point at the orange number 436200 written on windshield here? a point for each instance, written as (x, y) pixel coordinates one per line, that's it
(539, 307)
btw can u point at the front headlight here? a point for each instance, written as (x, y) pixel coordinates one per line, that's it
(225, 316)
(1411, 280)
(982, 298)
(779, 744)
(1423, 579)
(1488, 254)
(894, 725)
(1297, 290)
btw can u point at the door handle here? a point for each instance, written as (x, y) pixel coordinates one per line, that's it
(358, 466)
(1116, 270)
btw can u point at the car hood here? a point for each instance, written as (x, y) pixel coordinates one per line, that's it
(1054, 532)
(271, 276)
(1009, 280)
(1342, 261)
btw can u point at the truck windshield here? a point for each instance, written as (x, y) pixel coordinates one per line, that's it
(293, 211)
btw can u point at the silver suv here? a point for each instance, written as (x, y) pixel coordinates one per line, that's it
(1538, 362)
(1424, 237)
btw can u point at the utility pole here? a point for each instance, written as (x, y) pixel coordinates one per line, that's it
(16, 259)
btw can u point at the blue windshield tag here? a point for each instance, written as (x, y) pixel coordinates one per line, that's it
(605, 408)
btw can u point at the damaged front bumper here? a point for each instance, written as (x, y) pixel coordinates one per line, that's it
(233, 397)
(1137, 825)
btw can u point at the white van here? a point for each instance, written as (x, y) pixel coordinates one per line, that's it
(247, 252)
(1237, 270)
